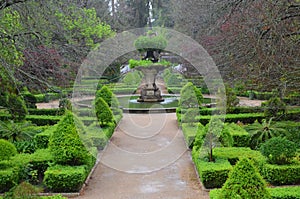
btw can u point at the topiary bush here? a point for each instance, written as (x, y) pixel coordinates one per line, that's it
(281, 174)
(103, 112)
(65, 144)
(105, 93)
(244, 182)
(279, 150)
(64, 178)
(188, 97)
(7, 149)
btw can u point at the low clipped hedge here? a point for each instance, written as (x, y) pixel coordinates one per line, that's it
(47, 97)
(190, 131)
(41, 140)
(285, 193)
(42, 120)
(52, 112)
(65, 178)
(246, 118)
(29, 167)
(233, 154)
(276, 193)
(213, 174)
(240, 136)
(281, 174)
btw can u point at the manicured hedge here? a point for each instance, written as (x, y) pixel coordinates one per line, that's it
(42, 120)
(47, 97)
(190, 131)
(285, 192)
(65, 178)
(52, 112)
(213, 174)
(276, 193)
(246, 118)
(41, 140)
(240, 136)
(233, 154)
(281, 174)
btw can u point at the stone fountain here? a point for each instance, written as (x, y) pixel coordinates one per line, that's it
(151, 45)
(149, 91)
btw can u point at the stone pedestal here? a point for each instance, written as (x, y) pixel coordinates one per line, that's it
(150, 92)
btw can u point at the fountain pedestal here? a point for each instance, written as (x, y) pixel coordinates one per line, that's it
(150, 92)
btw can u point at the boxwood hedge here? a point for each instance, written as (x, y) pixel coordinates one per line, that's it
(281, 174)
(213, 174)
(65, 178)
(276, 193)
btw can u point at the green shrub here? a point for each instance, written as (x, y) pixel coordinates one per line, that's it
(42, 120)
(240, 136)
(8, 179)
(279, 150)
(212, 174)
(53, 197)
(281, 174)
(188, 97)
(132, 79)
(105, 93)
(29, 99)
(7, 149)
(41, 140)
(261, 132)
(276, 193)
(103, 112)
(274, 107)
(65, 144)
(234, 154)
(246, 118)
(244, 182)
(199, 138)
(64, 178)
(16, 107)
(52, 111)
(285, 192)
(190, 116)
(144, 43)
(24, 191)
(190, 132)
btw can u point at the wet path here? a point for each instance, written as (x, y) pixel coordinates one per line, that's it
(146, 159)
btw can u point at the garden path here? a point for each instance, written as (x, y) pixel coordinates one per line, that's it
(145, 159)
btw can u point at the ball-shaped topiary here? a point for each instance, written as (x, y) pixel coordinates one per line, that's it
(65, 144)
(244, 182)
(279, 150)
(7, 149)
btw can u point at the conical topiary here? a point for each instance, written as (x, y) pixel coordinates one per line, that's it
(244, 182)
(66, 145)
(106, 94)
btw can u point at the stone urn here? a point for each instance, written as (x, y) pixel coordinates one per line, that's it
(149, 91)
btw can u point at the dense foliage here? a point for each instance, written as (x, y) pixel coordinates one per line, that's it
(279, 150)
(65, 143)
(244, 182)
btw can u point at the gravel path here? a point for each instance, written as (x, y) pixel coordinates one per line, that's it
(145, 159)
